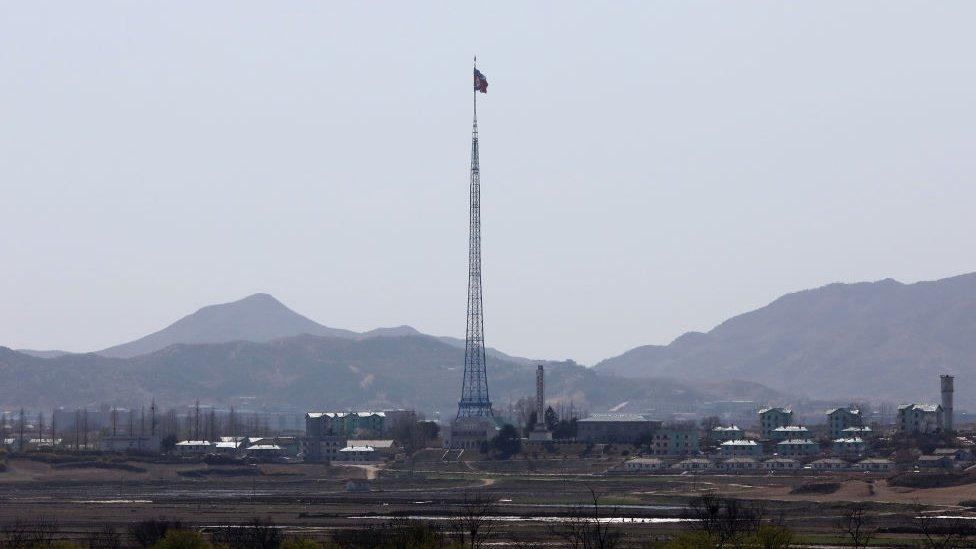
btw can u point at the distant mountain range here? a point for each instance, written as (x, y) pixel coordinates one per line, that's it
(256, 318)
(259, 348)
(320, 372)
(878, 340)
(874, 341)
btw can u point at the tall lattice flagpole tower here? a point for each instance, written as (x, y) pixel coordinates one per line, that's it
(474, 387)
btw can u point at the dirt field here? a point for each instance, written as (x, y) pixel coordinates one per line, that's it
(314, 499)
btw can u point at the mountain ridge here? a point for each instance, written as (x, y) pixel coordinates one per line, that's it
(259, 317)
(867, 339)
(319, 372)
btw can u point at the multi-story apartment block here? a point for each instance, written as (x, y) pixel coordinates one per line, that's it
(771, 418)
(674, 442)
(839, 419)
(921, 419)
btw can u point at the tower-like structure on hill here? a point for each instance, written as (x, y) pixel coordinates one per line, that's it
(947, 390)
(540, 431)
(474, 387)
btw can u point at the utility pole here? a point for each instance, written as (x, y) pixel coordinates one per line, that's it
(20, 445)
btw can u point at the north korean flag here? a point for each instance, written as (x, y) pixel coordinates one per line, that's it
(480, 82)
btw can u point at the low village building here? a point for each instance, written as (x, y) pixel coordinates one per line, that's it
(616, 428)
(694, 465)
(797, 448)
(323, 449)
(875, 465)
(357, 454)
(782, 464)
(852, 432)
(193, 447)
(674, 442)
(470, 433)
(722, 434)
(840, 419)
(129, 443)
(771, 418)
(643, 465)
(229, 448)
(326, 433)
(922, 419)
(264, 452)
(829, 464)
(740, 464)
(348, 424)
(849, 446)
(740, 448)
(961, 457)
(788, 432)
(934, 462)
(382, 448)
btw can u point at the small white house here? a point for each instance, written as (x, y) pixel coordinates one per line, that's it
(740, 448)
(357, 454)
(797, 447)
(695, 465)
(829, 464)
(228, 447)
(788, 432)
(721, 434)
(782, 464)
(644, 465)
(739, 464)
(193, 447)
(875, 465)
(265, 452)
(849, 446)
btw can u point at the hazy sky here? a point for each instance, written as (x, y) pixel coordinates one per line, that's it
(648, 168)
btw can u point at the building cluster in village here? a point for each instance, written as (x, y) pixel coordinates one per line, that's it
(773, 441)
(843, 442)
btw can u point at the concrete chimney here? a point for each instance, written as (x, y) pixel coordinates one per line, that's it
(947, 401)
(540, 395)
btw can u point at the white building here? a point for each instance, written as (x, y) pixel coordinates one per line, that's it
(129, 443)
(829, 464)
(782, 464)
(840, 419)
(694, 465)
(640, 465)
(722, 434)
(739, 464)
(358, 454)
(740, 448)
(921, 419)
(193, 447)
(875, 465)
(849, 446)
(788, 432)
(797, 448)
(771, 418)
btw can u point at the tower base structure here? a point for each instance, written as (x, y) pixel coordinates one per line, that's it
(471, 433)
(539, 433)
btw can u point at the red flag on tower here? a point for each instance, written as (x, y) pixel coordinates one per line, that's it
(480, 82)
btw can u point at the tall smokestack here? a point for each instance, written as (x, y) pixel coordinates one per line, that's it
(540, 396)
(947, 401)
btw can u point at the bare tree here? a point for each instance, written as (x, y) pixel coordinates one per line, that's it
(727, 521)
(855, 524)
(944, 533)
(36, 532)
(586, 529)
(474, 524)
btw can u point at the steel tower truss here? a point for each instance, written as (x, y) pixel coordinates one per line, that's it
(474, 387)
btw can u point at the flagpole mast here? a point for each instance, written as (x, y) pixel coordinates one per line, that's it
(474, 94)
